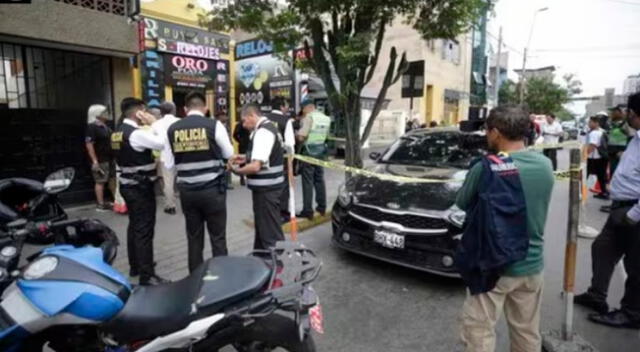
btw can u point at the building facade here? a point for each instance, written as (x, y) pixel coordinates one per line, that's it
(447, 68)
(604, 102)
(180, 56)
(631, 85)
(480, 83)
(58, 57)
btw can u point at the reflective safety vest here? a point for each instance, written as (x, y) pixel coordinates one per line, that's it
(272, 177)
(134, 167)
(617, 135)
(315, 143)
(197, 156)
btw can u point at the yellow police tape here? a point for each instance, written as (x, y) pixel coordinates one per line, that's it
(560, 175)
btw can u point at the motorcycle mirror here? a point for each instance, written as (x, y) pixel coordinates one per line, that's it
(59, 180)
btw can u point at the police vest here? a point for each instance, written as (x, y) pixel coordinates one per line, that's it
(135, 167)
(271, 177)
(617, 135)
(280, 121)
(315, 144)
(197, 156)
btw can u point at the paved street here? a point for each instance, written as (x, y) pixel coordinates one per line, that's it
(374, 306)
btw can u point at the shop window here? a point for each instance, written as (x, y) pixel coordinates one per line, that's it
(451, 111)
(12, 80)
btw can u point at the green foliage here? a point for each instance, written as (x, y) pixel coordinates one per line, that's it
(346, 39)
(542, 94)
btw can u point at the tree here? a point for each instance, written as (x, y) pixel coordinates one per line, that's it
(346, 39)
(542, 94)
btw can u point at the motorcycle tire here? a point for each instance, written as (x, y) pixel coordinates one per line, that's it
(271, 333)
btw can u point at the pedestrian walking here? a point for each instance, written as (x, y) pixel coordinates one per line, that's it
(223, 118)
(242, 136)
(534, 130)
(619, 239)
(597, 155)
(199, 146)
(552, 131)
(168, 174)
(264, 166)
(137, 174)
(98, 145)
(313, 135)
(520, 183)
(280, 117)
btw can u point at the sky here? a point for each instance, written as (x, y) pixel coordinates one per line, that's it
(598, 40)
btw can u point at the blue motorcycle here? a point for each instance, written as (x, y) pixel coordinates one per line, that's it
(70, 299)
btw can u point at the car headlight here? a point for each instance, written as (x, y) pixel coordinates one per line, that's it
(40, 267)
(457, 216)
(344, 197)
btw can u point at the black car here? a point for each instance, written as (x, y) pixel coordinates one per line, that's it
(411, 224)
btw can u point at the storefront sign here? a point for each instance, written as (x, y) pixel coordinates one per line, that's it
(152, 77)
(251, 48)
(182, 71)
(262, 78)
(182, 48)
(157, 30)
(222, 87)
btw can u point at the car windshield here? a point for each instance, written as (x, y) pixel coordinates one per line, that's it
(452, 149)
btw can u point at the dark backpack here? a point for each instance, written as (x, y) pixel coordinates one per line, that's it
(495, 234)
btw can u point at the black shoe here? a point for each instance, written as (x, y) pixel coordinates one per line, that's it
(588, 300)
(602, 196)
(605, 208)
(616, 319)
(133, 272)
(305, 215)
(154, 280)
(170, 211)
(322, 212)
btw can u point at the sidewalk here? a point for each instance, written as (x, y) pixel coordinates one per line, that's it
(170, 244)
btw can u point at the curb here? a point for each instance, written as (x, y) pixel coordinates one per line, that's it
(306, 224)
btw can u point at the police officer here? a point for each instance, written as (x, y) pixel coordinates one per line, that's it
(264, 167)
(313, 135)
(137, 168)
(280, 117)
(199, 146)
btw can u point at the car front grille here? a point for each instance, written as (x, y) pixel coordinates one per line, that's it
(412, 221)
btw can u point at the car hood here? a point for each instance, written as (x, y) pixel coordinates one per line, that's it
(435, 196)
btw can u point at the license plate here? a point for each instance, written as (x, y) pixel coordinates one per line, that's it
(388, 239)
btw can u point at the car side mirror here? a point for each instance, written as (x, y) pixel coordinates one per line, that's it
(374, 155)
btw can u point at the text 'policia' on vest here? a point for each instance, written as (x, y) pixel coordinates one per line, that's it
(198, 158)
(270, 177)
(135, 167)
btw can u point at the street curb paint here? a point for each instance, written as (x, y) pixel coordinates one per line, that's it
(306, 224)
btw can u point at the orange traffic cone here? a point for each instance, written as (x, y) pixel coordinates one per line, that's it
(596, 188)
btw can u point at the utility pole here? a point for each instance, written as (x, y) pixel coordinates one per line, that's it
(496, 83)
(522, 76)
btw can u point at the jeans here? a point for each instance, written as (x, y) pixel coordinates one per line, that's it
(618, 240)
(313, 179)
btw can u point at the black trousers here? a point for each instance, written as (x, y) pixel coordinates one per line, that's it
(141, 203)
(208, 206)
(598, 167)
(313, 179)
(266, 212)
(617, 241)
(552, 154)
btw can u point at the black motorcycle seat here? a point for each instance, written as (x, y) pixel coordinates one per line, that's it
(153, 311)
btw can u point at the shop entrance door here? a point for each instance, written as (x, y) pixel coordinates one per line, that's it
(179, 95)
